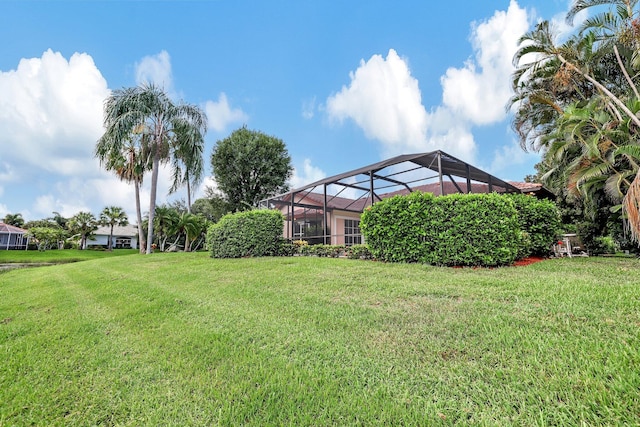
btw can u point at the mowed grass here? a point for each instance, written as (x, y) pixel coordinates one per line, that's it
(59, 256)
(182, 339)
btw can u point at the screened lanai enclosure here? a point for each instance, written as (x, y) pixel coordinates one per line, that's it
(328, 211)
(12, 237)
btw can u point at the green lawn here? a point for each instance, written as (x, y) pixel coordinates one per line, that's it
(181, 339)
(59, 256)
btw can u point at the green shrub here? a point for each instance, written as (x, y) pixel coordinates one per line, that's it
(458, 229)
(540, 219)
(332, 251)
(287, 248)
(359, 252)
(395, 228)
(524, 245)
(300, 246)
(603, 245)
(244, 234)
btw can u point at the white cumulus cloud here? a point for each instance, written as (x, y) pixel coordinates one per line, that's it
(479, 90)
(220, 114)
(308, 108)
(155, 69)
(51, 113)
(306, 174)
(384, 99)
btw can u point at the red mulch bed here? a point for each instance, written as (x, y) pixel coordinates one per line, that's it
(527, 261)
(519, 263)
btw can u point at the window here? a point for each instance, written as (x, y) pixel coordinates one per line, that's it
(352, 234)
(123, 243)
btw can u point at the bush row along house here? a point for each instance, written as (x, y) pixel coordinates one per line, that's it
(328, 211)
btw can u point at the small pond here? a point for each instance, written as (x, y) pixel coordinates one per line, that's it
(16, 265)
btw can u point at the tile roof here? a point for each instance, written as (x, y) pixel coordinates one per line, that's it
(124, 231)
(6, 228)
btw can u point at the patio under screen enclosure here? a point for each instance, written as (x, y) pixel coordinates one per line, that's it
(328, 211)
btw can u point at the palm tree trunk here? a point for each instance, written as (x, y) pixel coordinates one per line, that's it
(111, 239)
(188, 195)
(631, 208)
(187, 248)
(152, 198)
(141, 241)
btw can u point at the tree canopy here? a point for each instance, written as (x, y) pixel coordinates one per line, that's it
(577, 102)
(83, 224)
(164, 130)
(249, 166)
(14, 219)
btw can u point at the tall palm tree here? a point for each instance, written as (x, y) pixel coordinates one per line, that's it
(129, 163)
(594, 68)
(148, 110)
(188, 161)
(112, 216)
(615, 27)
(14, 219)
(588, 146)
(538, 92)
(190, 225)
(618, 28)
(83, 223)
(164, 219)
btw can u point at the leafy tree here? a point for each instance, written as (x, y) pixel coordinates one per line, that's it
(249, 166)
(83, 223)
(14, 219)
(46, 237)
(59, 219)
(179, 205)
(148, 110)
(212, 207)
(112, 216)
(46, 222)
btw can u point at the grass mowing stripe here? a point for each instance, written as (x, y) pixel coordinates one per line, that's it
(180, 339)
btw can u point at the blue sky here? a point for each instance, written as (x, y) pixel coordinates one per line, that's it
(343, 84)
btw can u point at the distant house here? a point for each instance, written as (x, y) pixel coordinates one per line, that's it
(12, 237)
(125, 237)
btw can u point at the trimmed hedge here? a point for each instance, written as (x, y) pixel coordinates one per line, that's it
(453, 230)
(540, 220)
(246, 234)
(359, 252)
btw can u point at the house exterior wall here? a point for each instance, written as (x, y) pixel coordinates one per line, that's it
(337, 224)
(102, 240)
(335, 220)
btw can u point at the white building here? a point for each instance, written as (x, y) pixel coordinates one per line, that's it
(125, 237)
